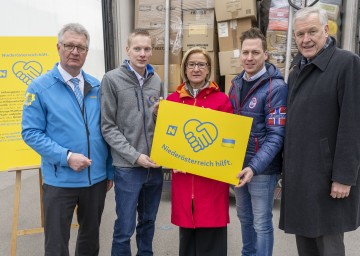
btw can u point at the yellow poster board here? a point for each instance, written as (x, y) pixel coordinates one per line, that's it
(22, 59)
(201, 141)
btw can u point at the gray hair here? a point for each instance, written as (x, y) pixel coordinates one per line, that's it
(74, 27)
(307, 11)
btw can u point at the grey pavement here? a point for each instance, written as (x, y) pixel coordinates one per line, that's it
(166, 234)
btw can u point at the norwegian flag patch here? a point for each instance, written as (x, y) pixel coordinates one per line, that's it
(277, 116)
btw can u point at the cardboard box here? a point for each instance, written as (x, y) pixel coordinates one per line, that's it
(198, 4)
(235, 9)
(174, 75)
(277, 40)
(158, 38)
(198, 29)
(151, 14)
(230, 63)
(158, 53)
(229, 33)
(214, 67)
(333, 11)
(279, 58)
(228, 84)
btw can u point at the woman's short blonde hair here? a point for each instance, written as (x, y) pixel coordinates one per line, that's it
(186, 57)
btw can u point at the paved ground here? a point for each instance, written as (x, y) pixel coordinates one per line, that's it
(166, 236)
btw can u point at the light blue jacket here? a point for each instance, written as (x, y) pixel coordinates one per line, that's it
(53, 124)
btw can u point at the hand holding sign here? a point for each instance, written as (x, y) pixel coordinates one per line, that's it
(200, 135)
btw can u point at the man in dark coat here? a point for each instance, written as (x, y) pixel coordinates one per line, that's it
(321, 183)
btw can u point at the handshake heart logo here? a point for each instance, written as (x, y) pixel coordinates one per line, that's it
(27, 71)
(199, 135)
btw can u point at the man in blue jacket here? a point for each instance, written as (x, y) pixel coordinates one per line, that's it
(61, 122)
(261, 93)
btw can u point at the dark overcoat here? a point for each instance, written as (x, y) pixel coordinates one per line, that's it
(322, 145)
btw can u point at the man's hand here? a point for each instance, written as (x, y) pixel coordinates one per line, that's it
(109, 184)
(339, 190)
(146, 162)
(78, 162)
(245, 176)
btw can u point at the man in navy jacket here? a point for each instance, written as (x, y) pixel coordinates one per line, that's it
(259, 92)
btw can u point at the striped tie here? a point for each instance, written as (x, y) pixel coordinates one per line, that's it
(77, 91)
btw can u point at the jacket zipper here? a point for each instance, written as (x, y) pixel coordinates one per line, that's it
(144, 121)
(88, 148)
(192, 201)
(84, 115)
(137, 99)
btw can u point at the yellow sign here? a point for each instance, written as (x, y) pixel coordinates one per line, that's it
(201, 141)
(22, 59)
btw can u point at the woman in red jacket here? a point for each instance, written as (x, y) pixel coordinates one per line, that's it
(200, 206)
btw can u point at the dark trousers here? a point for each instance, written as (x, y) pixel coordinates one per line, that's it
(203, 241)
(329, 245)
(59, 205)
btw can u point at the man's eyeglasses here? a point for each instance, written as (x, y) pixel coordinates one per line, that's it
(192, 65)
(70, 48)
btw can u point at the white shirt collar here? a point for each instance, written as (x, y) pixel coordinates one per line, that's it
(256, 76)
(66, 76)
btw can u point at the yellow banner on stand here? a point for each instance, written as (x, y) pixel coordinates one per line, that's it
(200, 141)
(22, 59)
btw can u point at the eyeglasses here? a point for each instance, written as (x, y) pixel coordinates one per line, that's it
(192, 65)
(70, 48)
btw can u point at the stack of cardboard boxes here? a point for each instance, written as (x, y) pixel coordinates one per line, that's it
(193, 23)
(333, 9)
(150, 15)
(199, 29)
(276, 34)
(216, 25)
(233, 17)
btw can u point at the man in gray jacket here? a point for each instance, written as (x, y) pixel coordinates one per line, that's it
(128, 95)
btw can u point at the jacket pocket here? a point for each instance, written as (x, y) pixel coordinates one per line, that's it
(326, 158)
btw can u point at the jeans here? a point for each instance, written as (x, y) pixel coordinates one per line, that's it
(136, 189)
(254, 203)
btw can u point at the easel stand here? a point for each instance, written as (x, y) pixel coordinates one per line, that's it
(15, 232)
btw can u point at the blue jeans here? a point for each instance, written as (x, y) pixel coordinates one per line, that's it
(254, 203)
(136, 189)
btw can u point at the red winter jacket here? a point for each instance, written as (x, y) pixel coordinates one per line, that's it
(199, 202)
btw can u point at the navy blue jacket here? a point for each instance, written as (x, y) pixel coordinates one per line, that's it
(266, 104)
